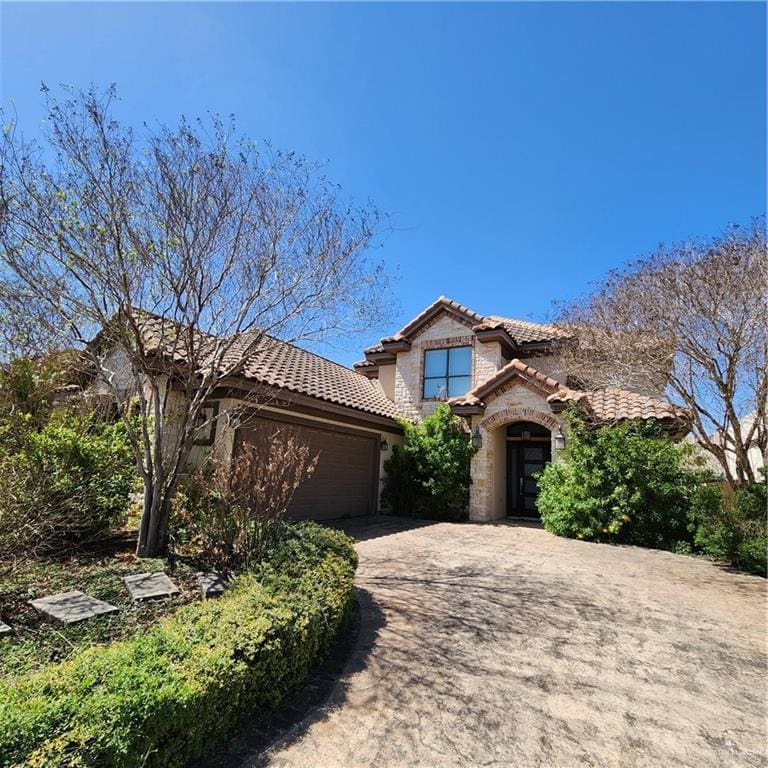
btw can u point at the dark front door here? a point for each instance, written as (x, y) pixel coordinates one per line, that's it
(524, 460)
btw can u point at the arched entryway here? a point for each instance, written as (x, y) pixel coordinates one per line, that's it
(528, 451)
(488, 492)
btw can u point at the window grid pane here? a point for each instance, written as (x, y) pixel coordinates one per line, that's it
(435, 363)
(447, 372)
(434, 388)
(458, 385)
(460, 361)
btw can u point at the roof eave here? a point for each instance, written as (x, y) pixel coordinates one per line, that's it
(468, 410)
(283, 397)
(487, 335)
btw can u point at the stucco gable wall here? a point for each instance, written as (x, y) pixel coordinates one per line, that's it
(115, 375)
(547, 365)
(445, 331)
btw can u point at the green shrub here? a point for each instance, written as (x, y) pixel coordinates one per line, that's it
(28, 385)
(429, 475)
(63, 483)
(735, 529)
(170, 695)
(626, 484)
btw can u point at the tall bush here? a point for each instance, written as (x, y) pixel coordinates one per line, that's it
(62, 483)
(429, 475)
(735, 529)
(624, 483)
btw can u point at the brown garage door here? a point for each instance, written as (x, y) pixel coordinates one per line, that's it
(344, 481)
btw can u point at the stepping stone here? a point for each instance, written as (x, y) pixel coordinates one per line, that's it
(4, 629)
(212, 584)
(143, 586)
(69, 607)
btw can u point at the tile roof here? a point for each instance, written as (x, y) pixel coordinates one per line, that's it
(285, 366)
(275, 363)
(514, 368)
(442, 302)
(524, 331)
(521, 331)
(612, 404)
(606, 405)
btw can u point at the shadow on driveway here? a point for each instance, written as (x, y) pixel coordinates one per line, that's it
(502, 645)
(322, 692)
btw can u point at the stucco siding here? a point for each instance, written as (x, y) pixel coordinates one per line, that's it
(387, 380)
(116, 375)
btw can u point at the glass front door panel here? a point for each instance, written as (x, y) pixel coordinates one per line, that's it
(523, 462)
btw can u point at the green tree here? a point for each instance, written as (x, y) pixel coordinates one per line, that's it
(429, 475)
(624, 483)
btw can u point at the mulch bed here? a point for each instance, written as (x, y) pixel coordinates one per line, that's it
(96, 570)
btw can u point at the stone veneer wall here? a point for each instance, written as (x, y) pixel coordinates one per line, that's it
(444, 331)
(487, 494)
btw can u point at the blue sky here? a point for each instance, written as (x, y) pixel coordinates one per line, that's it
(522, 149)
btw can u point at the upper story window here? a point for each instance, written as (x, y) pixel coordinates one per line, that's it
(447, 372)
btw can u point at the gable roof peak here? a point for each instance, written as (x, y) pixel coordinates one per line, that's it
(515, 368)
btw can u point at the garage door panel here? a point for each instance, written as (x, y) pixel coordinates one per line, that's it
(344, 481)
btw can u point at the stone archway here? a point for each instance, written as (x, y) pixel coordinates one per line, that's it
(509, 415)
(489, 491)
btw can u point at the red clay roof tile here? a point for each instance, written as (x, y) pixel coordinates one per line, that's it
(612, 404)
(521, 331)
(513, 368)
(278, 364)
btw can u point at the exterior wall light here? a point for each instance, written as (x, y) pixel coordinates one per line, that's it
(560, 439)
(384, 444)
(477, 439)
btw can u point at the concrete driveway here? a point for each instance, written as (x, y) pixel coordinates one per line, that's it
(501, 645)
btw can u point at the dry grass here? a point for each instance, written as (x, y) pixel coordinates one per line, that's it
(97, 571)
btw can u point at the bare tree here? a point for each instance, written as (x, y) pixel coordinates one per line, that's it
(244, 501)
(177, 252)
(692, 319)
(265, 476)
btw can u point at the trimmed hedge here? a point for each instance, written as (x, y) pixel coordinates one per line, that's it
(168, 696)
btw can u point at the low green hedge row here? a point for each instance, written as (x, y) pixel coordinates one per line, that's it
(168, 696)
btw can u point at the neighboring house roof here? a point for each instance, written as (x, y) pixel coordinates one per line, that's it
(605, 405)
(270, 362)
(514, 334)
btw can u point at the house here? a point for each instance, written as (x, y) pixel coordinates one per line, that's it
(755, 455)
(501, 375)
(342, 416)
